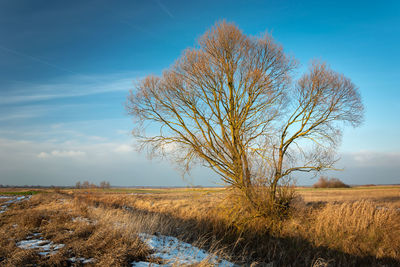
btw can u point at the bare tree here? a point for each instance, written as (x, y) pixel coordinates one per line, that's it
(320, 102)
(104, 184)
(230, 104)
(85, 185)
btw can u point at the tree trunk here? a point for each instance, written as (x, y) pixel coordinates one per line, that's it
(277, 176)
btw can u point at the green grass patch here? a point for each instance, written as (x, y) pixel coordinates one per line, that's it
(20, 193)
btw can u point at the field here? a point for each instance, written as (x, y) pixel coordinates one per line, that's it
(359, 226)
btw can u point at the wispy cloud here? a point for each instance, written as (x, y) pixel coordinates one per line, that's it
(19, 115)
(75, 87)
(84, 131)
(369, 158)
(124, 148)
(36, 59)
(62, 154)
(164, 8)
(24, 112)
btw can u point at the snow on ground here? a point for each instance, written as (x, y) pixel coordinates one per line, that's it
(13, 199)
(175, 252)
(45, 247)
(81, 260)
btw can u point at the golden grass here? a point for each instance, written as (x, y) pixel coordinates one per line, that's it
(329, 227)
(358, 228)
(382, 195)
(348, 226)
(64, 220)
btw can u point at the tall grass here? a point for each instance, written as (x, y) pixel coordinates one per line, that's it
(359, 228)
(348, 233)
(104, 226)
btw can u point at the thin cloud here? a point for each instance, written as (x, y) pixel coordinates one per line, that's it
(62, 154)
(76, 87)
(19, 116)
(165, 9)
(36, 59)
(123, 149)
(373, 158)
(140, 29)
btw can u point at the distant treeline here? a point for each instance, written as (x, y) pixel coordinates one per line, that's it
(87, 185)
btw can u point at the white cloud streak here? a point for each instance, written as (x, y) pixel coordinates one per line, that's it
(123, 148)
(75, 86)
(62, 154)
(36, 59)
(367, 158)
(165, 9)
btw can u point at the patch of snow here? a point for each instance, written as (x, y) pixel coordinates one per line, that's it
(33, 243)
(13, 199)
(58, 246)
(81, 260)
(45, 247)
(145, 264)
(176, 252)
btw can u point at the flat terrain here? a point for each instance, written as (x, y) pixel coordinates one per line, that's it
(388, 196)
(358, 226)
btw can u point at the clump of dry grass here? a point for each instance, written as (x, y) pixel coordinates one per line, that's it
(359, 228)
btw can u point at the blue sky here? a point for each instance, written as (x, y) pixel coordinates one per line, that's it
(66, 68)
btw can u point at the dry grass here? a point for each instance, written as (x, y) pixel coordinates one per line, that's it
(346, 230)
(358, 228)
(87, 232)
(381, 195)
(349, 227)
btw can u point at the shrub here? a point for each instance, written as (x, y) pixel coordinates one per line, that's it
(325, 182)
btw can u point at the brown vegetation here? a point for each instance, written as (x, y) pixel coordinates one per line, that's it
(87, 185)
(103, 226)
(385, 196)
(325, 182)
(87, 232)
